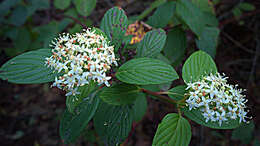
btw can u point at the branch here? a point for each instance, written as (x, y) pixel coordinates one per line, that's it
(161, 97)
(228, 21)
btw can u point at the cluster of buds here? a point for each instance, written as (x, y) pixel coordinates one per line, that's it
(81, 58)
(217, 100)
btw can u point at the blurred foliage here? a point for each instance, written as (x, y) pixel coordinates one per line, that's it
(32, 24)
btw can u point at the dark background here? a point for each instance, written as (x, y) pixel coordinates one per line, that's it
(29, 114)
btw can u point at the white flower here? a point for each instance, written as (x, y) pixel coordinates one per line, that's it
(73, 92)
(221, 117)
(217, 100)
(211, 91)
(81, 57)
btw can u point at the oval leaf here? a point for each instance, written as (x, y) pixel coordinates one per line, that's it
(191, 15)
(113, 123)
(145, 71)
(140, 107)
(28, 68)
(152, 44)
(175, 45)
(174, 130)
(209, 40)
(114, 24)
(85, 7)
(198, 65)
(86, 92)
(177, 93)
(162, 15)
(61, 4)
(120, 94)
(73, 124)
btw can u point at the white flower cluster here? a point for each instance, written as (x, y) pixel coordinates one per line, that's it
(81, 57)
(217, 100)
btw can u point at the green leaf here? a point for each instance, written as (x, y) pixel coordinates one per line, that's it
(244, 133)
(209, 40)
(199, 64)
(140, 107)
(246, 6)
(174, 130)
(163, 58)
(71, 12)
(145, 71)
(237, 12)
(28, 68)
(85, 7)
(40, 4)
(162, 15)
(210, 19)
(6, 5)
(256, 142)
(47, 32)
(204, 5)
(175, 45)
(177, 93)
(114, 24)
(113, 123)
(120, 94)
(191, 15)
(72, 125)
(86, 92)
(152, 44)
(196, 116)
(18, 16)
(23, 40)
(62, 4)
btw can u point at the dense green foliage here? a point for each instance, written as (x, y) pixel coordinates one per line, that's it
(113, 109)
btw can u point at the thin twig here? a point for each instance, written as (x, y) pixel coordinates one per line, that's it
(228, 21)
(161, 97)
(257, 50)
(238, 44)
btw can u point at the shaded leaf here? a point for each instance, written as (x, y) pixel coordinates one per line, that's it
(145, 71)
(28, 68)
(152, 44)
(6, 5)
(174, 130)
(62, 4)
(140, 107)
(163, 58)
(85, 7)
(114, 24)
(113, 123)
(209, 40)
(162, 15)
(244, 132)
(120, 94)
(72, 125)
(177, 93)
(23, 40)
(199, 64)
(204, 5)
(175, 45)
(86, 92)
(246, 6)
(18, 16)
(191, 15)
